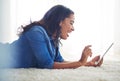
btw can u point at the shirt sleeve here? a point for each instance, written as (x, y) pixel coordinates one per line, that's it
(37, 41)
(58, 57)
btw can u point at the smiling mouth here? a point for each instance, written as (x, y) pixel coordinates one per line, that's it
(67, 34)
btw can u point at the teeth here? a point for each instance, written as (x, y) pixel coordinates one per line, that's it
(68, 35)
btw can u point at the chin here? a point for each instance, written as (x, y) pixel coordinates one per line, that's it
(64, 38)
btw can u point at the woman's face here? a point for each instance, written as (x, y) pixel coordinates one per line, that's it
(67, 27)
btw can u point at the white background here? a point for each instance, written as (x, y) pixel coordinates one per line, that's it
(97, 23)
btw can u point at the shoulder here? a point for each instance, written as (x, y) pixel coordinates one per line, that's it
(37, 32)
(38, 28)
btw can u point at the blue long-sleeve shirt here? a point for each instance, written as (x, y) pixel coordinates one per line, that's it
(34, 49)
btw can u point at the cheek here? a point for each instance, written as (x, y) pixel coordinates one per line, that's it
(63, 34)
(64, 30)
(66, 27)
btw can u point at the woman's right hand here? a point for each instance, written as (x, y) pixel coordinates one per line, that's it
(85, 54)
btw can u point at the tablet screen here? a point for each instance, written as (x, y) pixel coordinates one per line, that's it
(104, 53)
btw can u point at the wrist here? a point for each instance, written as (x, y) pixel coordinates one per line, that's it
(83, 59)
(82, 63)
(88, 64)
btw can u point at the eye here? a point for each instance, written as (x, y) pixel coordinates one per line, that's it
(71, 23)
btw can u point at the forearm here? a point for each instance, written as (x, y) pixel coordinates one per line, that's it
(65, 65)
(88, 64)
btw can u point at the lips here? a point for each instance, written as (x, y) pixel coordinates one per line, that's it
(67, 34)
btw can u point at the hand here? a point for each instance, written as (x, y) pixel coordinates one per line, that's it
(100, 63)
(85, 54)
(94, 60)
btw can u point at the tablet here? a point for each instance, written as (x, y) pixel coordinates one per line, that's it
(104, 54)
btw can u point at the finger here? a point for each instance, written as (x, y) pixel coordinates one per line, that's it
(88, 46)
(96, 58)
(88, 51)
(100, 63)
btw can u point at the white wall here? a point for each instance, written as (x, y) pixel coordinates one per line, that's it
(96, 23)
(5, 20)
(117, 27)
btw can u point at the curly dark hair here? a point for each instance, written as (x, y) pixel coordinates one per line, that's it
(51, 20)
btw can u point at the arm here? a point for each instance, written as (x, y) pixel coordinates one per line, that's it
(64, 65)
(38, 43)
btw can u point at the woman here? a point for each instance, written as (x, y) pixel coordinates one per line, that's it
(38, 43)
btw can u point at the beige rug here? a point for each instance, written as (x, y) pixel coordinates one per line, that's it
(109, 71)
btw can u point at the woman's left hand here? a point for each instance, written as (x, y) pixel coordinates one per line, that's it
(94, 61)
